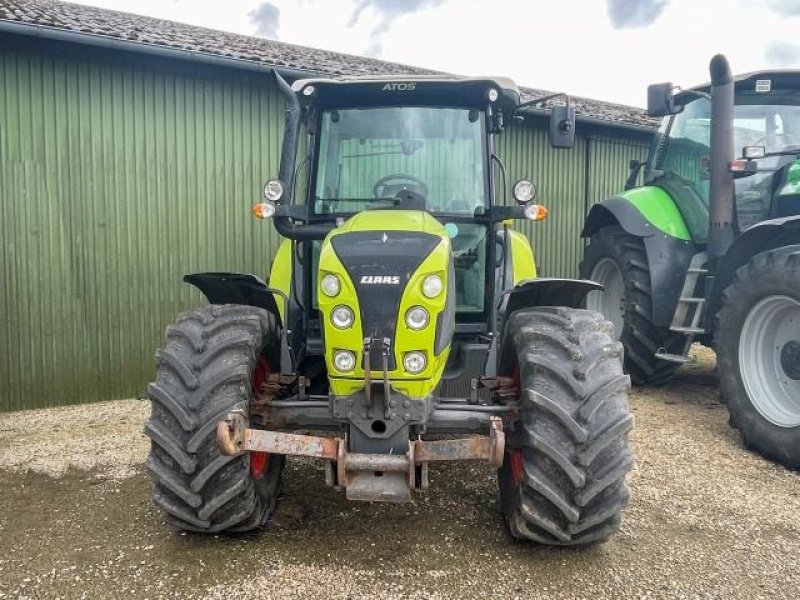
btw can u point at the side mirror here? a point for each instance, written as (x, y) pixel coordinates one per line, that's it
(562, 126)
(661, 100)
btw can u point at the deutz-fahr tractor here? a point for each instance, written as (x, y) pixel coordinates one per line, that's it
(401, 309)
(708, 248)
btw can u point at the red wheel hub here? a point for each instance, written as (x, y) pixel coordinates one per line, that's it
(515, 458)
(259, 461)
(516, 466)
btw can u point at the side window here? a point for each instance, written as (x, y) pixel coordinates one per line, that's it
(687, 146)
(469, 258)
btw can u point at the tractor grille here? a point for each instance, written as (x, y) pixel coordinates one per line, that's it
(380, 264)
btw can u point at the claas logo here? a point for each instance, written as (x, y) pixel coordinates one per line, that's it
(372, 279)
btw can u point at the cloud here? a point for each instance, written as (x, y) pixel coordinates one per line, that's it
(782, 54)
(266, 17)
(785, 8)
(387, 11)
(634, 14)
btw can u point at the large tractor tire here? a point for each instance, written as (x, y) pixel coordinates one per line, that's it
(758, 349)
(618, 261)
(562, 481)
(213, 359)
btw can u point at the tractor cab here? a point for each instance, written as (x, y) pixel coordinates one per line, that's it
(396, 145)
(357, 146)
(766, 133)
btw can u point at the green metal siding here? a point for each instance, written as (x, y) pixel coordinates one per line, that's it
(568, 183)
(115, 180)
(120, 174)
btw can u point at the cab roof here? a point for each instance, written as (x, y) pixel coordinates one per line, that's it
(779, 79)
(435, 90)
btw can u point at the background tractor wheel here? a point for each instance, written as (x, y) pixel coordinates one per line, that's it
(563, 478)
(207, 368)
(758, 349)
(618, 260)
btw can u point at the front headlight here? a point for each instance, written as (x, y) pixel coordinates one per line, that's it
(330, 285)
(417, 317)
(273, 190)
(342, 317)
(414, 362)
(432, 286)
(344, 361)
(524, 191)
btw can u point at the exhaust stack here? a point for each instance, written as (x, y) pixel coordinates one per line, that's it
(720, 235)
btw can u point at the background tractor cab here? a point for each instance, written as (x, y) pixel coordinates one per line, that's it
(708, 243)
(401, 303)
(766, 128)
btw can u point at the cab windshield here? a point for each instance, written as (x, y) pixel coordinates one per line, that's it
(681, 153)
(367, 156)
(771, 121)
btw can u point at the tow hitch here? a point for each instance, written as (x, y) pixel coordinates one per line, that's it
(343, 468)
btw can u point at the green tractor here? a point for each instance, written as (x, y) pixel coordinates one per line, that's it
(401, 308)
(708, 248)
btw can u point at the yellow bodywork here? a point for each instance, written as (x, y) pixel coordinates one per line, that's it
(523, 264)
(280, 276)
(405, 339)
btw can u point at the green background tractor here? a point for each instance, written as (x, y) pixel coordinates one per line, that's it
(708, 248)
(400, 304)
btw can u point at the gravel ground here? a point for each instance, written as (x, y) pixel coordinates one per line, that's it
(707, 520)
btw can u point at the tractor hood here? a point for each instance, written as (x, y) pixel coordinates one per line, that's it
(411, 221)
(382, 258)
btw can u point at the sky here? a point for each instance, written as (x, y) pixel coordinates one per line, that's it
(604, 49)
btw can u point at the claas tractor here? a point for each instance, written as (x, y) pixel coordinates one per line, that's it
(402, 325)
(707, 249)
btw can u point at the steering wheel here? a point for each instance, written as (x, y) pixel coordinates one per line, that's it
(379, 190)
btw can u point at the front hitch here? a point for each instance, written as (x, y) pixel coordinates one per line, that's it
(342, 467)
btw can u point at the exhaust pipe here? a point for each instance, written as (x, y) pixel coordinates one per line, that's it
(721, 192)
(286, 174)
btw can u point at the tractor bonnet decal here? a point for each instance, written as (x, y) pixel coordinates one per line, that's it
(373, 279)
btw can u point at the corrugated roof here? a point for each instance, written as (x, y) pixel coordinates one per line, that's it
(77, 18)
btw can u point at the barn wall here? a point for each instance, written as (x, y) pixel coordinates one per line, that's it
(119, 174)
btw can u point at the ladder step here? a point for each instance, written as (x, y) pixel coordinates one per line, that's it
(688, 330)
(676, 358)
(692, 300)
(697, 271)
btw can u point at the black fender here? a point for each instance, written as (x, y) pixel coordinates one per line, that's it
(236, 288)
(548, 291)
(763, 236)
(668, 257)
(543, 291)
(241, 288)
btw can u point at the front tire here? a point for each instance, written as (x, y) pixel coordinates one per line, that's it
(562, 481)
(618, 260)
(206, 370)
(758, 350)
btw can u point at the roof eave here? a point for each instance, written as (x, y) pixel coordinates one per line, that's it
(159, 50)
(172, 52)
